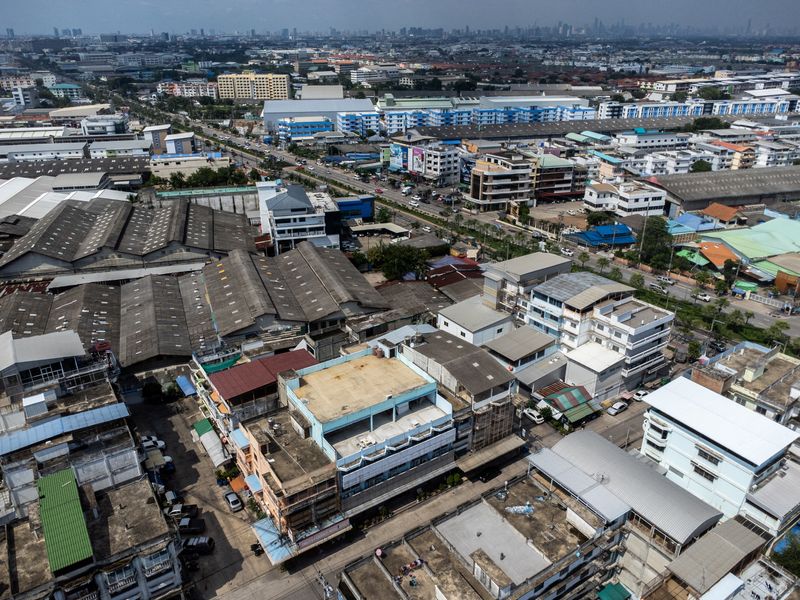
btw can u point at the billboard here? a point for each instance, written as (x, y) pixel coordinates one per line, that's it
(397, 157)
(417, 161)
(466, 164)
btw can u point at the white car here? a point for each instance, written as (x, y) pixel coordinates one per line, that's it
(153, 445)
(413, 204)
(665, 279)
(617, 408)
(640, 395)
(567, 252)
(533, 415)
(704, 297)
(427, 228)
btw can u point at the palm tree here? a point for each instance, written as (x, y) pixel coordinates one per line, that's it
(748, 314)
(583, 257)
(702, 278)
(603, 262)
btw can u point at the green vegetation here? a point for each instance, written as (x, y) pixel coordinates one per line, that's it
(713, 93)
(700, 166)
(598, 218)
(702, 123)
(656, 243)
(205, 177)
(304, 152)
(395, 260)
(789, 557)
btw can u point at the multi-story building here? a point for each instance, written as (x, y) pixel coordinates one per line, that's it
(302, 129)
(291, 215)
(439, 163)
(625, 199)
(41, 152)
(180, 143)
(653, 140)
(66, 90)
(119, 148)
(553, 179)
(498, 179)
(696, 107)
(725, 454)
(353, 432)
(740, 156)
(26, 97)
(157, 136)
(507, 285)
(375, 74)
(775, 154)
(474, 321)
(104, 125)
(190, 88)
(359, 123)
(254, 86)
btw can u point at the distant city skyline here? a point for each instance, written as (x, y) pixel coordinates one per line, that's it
(140, 16)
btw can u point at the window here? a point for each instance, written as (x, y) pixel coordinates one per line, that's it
(714, 460)
(463, 334)
(500, 330)
(704, 473)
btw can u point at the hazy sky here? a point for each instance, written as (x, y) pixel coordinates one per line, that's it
(96, 16)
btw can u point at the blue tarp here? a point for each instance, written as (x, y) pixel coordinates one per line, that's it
(186, 386)
(240, 439)
(253, 483)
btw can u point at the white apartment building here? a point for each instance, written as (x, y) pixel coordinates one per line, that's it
(732, 458)
(374, 74)
(474, 321)
(625, 199)
(441, 164)
(9, 82)
(191, 88)
(254, 86)
(38, 152)
(290, 216)
(652, 140)
(359, 123)
(776, 154)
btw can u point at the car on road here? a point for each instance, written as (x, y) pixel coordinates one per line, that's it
(617, 408)
(378, 190)
(180, 511)
(488, 475)
(199, 545)
(567, 252)
(640, 395)
(413, 204)
(665, 280)
(426, 228)
(416, 197)
(718, 345)
(657, 287)
(533, 415)
(702, 296)
(310, 167)
(189, 525)
(234, 502)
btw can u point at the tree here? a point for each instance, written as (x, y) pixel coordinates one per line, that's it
(700, 166)
(254, 175)
(395, 260)
(693, 350)
(615, 274)
(384, 215)
(712, 93)
(775, 332)
(679, 96)
(152, 391)
(637, 280)
(177, 180)
(617, 98)
(702, 278)
(583, 258)
(721, 304)
(656, 243)
(638, 94)
(789, 557)
(360, 95)
(720, 286)
(523, 213)
(748, 314)
(729, 271)
(603, 262)
(735, 319)
(598, 218)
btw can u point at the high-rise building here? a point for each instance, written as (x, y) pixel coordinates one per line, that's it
(254, 86)
(10, 33)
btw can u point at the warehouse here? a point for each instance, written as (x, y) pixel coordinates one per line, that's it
(274, 110)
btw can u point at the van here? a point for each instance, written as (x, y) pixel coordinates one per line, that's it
(657, 287)
(200, 544)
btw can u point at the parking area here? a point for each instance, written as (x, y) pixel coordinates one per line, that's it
(232, 563)
(568, 213)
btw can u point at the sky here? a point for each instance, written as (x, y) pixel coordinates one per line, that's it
(178, 16)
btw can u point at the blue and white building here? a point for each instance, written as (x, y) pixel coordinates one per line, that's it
(180, 143)
(300, 129)
(697, 107)
(729, 456)
(358, 123)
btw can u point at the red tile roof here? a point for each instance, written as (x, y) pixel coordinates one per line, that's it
(259, 373)
(723, 213)
(717, 253)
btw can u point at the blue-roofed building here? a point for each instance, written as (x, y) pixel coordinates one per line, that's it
(680, 233)
(356, 207)
(612, 236)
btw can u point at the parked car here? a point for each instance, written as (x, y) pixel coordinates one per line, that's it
(717, 345)
(177, 511)
(640, 395)
(617, 408)
(426, 228)
(153, 440)
(199, 545)
(189, 525)
(234, 502)
(665, 279)
(703, 297)
(533, 415)
(151, 445)
(657, 287)
(567, 252)
(172, 498)
(413, 204)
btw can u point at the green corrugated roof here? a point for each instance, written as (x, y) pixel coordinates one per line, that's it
(772, 268)
(65, 535)
(203, 427)
(207, 191)
(778, 236)
(614, 591)
(577, 413)
(693, 257)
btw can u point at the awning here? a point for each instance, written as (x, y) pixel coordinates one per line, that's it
(614, 591)
(240, 439)
(479, 458)
(214, 448)
(253, 483)
(186, 386)
(238, 484)
(280, 548)
(202, 427)
(580, 412)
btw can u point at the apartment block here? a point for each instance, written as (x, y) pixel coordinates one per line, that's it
(302, 129)
(190, 88)
(625, 199)
(725, 454)
(253, 86)
(498, 179)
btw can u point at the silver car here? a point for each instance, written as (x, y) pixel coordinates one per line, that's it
(617, 408)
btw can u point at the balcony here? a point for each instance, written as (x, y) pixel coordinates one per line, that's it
(632, 370)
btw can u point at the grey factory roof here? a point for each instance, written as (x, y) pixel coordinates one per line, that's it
(780, 494)
(152, 320)
(537, 130)
(667, 506)
(713, 556)
(520, 342)
(529, 264)
(471, 366)
(54, 147)
(120, 145)
(75, 230)
(304, 107)
(24, 313)
(414, 296)
(291, 200)
(115, 165)
(541, 368)
(92, 310)
(67, 281)
(197, 311)
(730, 185)
(580, 289)
(473, 315)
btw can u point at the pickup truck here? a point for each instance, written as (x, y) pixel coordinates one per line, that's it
(182, 511)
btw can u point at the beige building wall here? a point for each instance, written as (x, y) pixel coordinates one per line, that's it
(254, 86)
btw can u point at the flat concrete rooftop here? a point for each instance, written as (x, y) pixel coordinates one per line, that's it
(129, 516)
(349, 440)
(293, 456)
(642, 313)
(25, 557)
(352, 386)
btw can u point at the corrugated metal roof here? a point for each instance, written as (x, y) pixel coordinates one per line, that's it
(473, 315)
(520, 342)
(22, 438)
(66, 537)
(251, 376)
(667, 506)
(203, 426)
